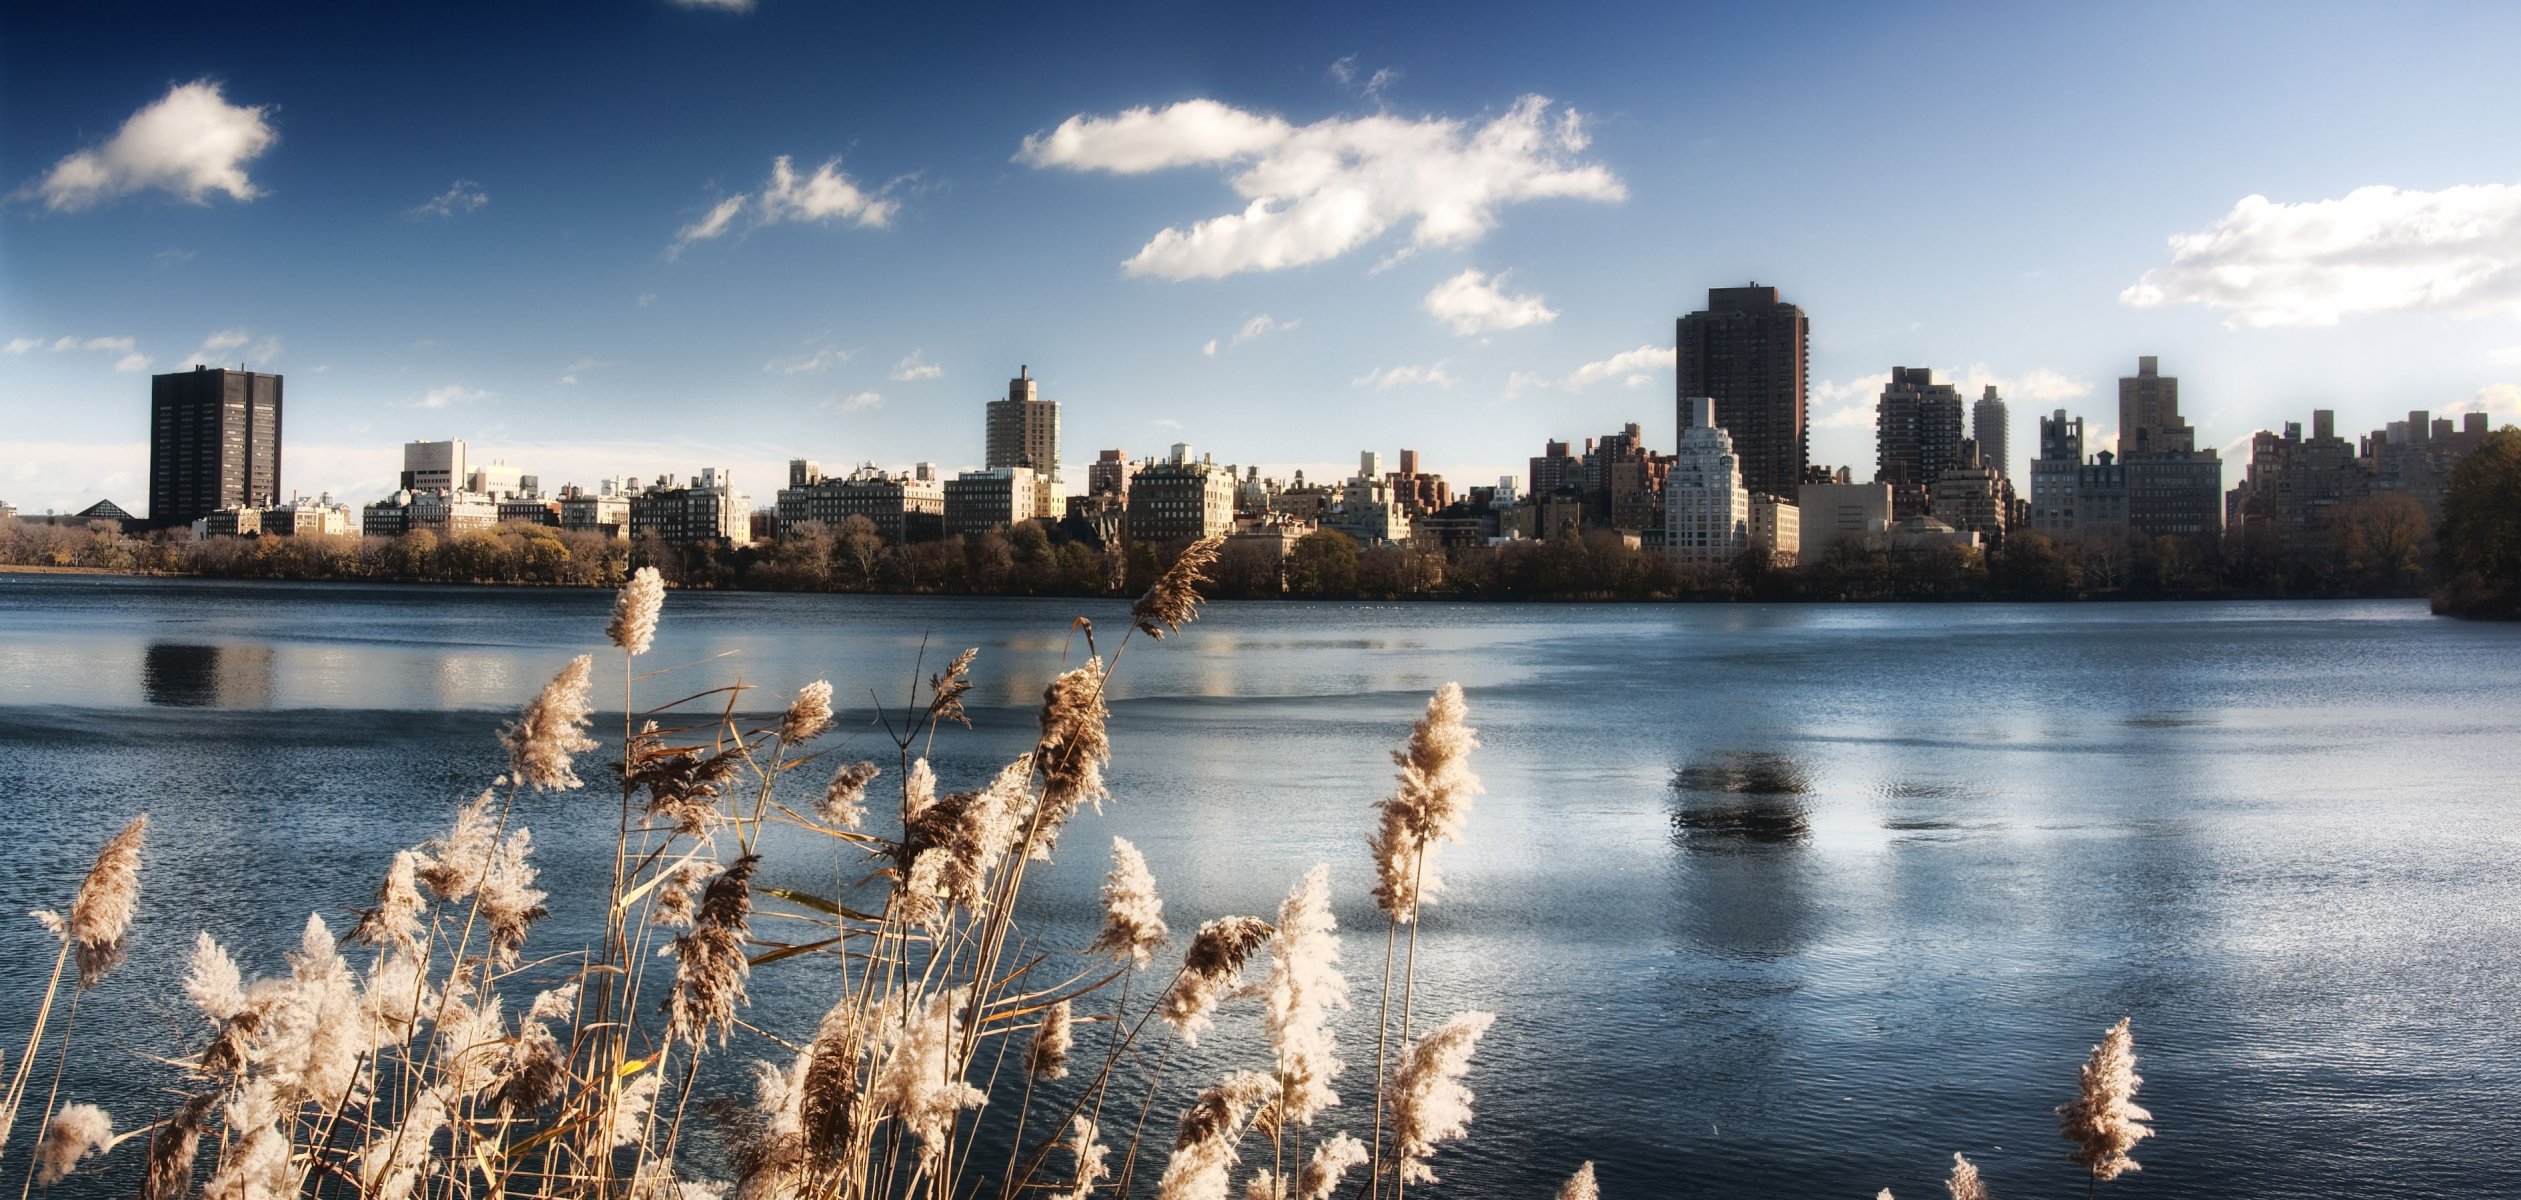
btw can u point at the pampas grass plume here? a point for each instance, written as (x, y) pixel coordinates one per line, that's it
(101, 913)
(76, 1132)
(1427, 808)
(1047, 1057)
(2104, 1122)
(844, 804)
(1580, 1186)
(1174, 600)
(1133, 914)
(543, 738)
(808, 715)
(1298, 994)
(634, 623)
(1964, 1183)
(1211, 968)
(1429, 1103)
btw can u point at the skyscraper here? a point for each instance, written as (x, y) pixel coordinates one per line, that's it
(2173, 488)
(1706, 508)
(1988, 421)
(214, 443)
(1746, 351)
(1917, 435)
(1024, 432)
(2149, 412)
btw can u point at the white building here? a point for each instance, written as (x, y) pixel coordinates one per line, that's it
(1706, 511)
(435, 466)
(1834, 512)
(996, 498)
(1777, 527)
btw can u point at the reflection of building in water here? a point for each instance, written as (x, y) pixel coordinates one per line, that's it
(1741, 797)
(178, 675)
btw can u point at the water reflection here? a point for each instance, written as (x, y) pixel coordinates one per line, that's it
(186, 675)
(1741, 798)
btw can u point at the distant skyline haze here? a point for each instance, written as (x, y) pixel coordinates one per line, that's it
(662, 236)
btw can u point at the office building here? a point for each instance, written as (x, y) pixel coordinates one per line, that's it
(1023, 431)
(1841, 511)
(1747, 351)
(1706, 510)
(438, 512)
(1108, 474)
(995, 498)
(2174, 489)
(435, 466)
(214, 443)
(903, 508)
(2054, 473)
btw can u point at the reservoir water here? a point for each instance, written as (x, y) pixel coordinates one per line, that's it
(1769, 901)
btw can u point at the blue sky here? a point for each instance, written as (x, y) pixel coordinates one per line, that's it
(486, 222)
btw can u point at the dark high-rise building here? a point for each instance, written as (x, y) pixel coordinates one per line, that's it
(1988, 421)
(2149, 413)
(214, 443)
(1747, 351)
(2173, 488)
(1917, 436)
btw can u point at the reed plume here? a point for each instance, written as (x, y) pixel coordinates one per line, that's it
(174, 1148)
(1088, 1155)
(454, 865)
(947, 689)
(1429, 1103)
(1332, 1158)
(1211, 968)
(552, 729)
(1073, 750)
(630, 1111)
(2104, 1122)
(214, 983)
(634, 623)
(1297, 995)
(1203, 1152)
(101, 912)
(75, 1132)
(920, 1082)
(390, 1165)
(678, 894)
(395, 921)
(709, 963)
(844, 804)
(833, 1103)
(1427, 808)
(1964, 1183)
(1174, 600)
(808, 715)
(1047, 1057)
(1580, 1186)
(1133, 914)
(767, 1144)
(509, 902)
(683, 784)
(254, 1161)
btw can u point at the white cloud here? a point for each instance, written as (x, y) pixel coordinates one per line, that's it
(808, 364)
(1633, 368)
(1848, 405)
(2039, 385)
(1259, 326)
(22, 345)
(647, 298)
(1344, 71)
(2498, 399)
(914, 368)
(173, 258)
(854, 402)
(189, 143)
(1318, 191)
(214, 349)
(132, 364)
(1210, 349)
(1384, 379)
(569, 374)
(451, 395)
(118, 345)
(1475, 302)
(2509, 356)
(466, 196)
(1167, 423)
(2376, 249)
(825, 195)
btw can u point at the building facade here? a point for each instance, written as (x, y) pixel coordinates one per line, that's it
(2054, 474)
(904, 508)
(1970, 496)
(1748, 351)
(2174, 489)
(1841, 511)
(995, 498)
(1179, 500)
(1023, 431)
(1917, 436)
(708, 509)
(1706, 509)
(1991, 427)
(214, 443)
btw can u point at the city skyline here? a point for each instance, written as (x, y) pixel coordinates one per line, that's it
(830, 272)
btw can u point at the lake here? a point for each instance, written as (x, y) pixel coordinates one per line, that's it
(1768, 900)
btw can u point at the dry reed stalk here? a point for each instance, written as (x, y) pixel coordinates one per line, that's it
(1299, 992)
(1429, 1103)
(1211, 968)
(947, 689)
(2104, 1121)
(635, 610)
(808, 715)
(1964, 1183)
(101, 912)
(75, 1133)
(552, 729)
(1174, 600)
(1047, 1056)
(174, 1148)
(844, 803)
(1074, 747)
(832, 1107)
(1580, 1186)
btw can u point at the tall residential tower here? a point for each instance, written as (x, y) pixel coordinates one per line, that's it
(1024, 432)
(214, 443)
(1747, 352)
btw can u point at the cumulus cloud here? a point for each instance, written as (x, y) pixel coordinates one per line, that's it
(190, 143)
(451, 395)
(1315, 192)
(854, 402)
(132, 364)
(1259, 326)
(826, 195)
(129, 363)
(214, 350)
(2039, 385)
(1384, 379)
(2377, 249)
(1475, 302)
(21, 345)
(914, 368)
(466, 196)
(1848, 405)
(2498, 399)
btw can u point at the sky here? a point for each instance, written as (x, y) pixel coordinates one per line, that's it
(650, 236)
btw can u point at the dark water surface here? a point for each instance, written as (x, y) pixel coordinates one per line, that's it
(1769, 901)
